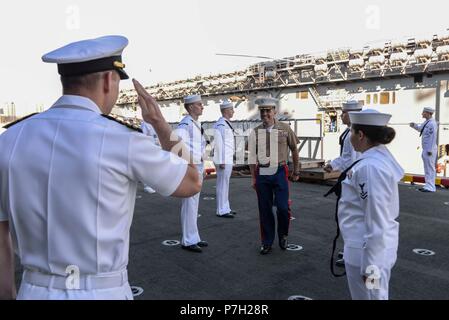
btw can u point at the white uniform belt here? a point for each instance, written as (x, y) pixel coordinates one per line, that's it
(86, 282)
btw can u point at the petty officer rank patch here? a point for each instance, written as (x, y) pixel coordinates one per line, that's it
(363, 193)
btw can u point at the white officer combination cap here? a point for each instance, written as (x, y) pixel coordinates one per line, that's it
(370, 117)
(352, 105)
(266, 102)
(226, 104)
(192, 99)
(90, 56)
(429, 109)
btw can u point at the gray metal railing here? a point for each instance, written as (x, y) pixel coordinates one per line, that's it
(242, 129)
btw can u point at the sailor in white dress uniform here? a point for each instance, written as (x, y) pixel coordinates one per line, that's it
(347, 153)
(191, 132)
(224, 150)
(428, 133)
(68, 181)
(369, 207)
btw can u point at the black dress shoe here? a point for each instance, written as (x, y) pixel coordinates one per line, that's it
(265, 250)
(340, 263)
(233, 213)
(283, 243)
(425, 190)
(340, 255)
(227, 215)
(192, 248)
(202, 244)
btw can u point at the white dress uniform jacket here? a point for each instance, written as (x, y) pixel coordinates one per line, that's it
(223, 155)
(190, 132)
(368, 210)
(429, 131)
(347, 155)
(68, 181)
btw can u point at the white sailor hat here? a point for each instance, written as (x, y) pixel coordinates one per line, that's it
(370, 117)
(90, 56)
(429, 109)
(352, 105)
(226, 104)
(266, 102)
(192, 99)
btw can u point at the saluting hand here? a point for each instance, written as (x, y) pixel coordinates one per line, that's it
(151, 112)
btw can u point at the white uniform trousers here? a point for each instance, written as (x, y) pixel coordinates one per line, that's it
(359, 290)
(189, 217)
(429, 169)
(223, 178)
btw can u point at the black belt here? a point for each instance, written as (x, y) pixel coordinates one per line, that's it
(280, 164)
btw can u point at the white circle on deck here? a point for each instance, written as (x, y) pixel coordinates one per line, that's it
(199, 216)
(171, 243)
(446, 203)
(139, 197)
(294, 247)
(292, 298)
(137, 291)
(208, 198)
(424, 252)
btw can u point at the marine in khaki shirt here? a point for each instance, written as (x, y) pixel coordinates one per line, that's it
(269, 147)
(286, 142)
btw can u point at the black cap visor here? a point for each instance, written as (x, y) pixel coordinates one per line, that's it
(93, 66)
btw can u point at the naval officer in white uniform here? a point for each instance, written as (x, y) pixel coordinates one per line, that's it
(68, 181)
(428, 133)
(347, 153)
(192, 134)
(369, 207)
(224, 158)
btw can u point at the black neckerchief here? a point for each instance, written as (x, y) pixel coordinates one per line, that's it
(342, 139)
(204, 135)
(230, 126)
(425, 125)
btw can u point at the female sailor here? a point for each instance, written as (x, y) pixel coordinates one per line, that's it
(369, 207)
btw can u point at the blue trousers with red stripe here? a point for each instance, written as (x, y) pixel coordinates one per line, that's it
(273, 190)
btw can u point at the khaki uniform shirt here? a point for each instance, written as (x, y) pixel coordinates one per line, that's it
(278, 140)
